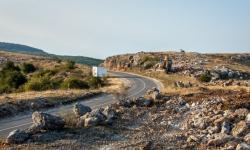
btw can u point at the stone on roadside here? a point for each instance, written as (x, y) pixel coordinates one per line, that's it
(142, 102)
(81, 110)
(94, 118)
(91, 121)
(126, 102)
(153, 94)
(17, 137)
(47, 122)
(109, 112)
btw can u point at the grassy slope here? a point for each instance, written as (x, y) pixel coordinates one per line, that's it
(18, 48)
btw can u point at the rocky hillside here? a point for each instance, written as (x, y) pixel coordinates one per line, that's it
(18, 48)
(186, 70)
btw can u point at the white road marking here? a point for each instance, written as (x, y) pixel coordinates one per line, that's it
(16, 126)
(144, 87)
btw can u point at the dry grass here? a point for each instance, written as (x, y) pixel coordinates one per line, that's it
(50, 94)
(69, 117)
(169, 80)
(232, 88)
(116, 85)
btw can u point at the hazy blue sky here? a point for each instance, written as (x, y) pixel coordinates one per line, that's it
(99, 28)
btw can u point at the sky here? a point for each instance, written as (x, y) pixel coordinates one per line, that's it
(101, 28)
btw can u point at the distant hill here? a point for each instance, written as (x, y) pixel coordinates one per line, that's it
(18, 48)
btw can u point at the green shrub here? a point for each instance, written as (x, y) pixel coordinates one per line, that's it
(28, 68)
(10, 66)
(11, 78)
(41, 83)
(148, 65)
(206, 77)
(45, 73)
(95, 82)
(73, 83)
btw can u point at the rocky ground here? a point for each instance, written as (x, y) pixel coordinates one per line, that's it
(155, 121)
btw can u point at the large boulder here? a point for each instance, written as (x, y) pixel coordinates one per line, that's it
(81, 110)
(240, 129)
(47, 122)
(17, 137)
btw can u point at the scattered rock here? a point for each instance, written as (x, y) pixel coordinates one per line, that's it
(192, 138)
(81, 110)
(226, 127)
(241, 113)
(143, 102)
(91, 121)
(231, 145)
(126, 102)
(109, 112)
(94, 118)
(243, 146)
(17, 137)
(240, 129)
(220, 139)
(154, 94)
(248, 118)
(247, 138)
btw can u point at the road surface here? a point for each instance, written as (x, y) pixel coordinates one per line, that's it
(139, 85)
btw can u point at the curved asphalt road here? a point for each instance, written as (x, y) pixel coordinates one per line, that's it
(139, 85)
